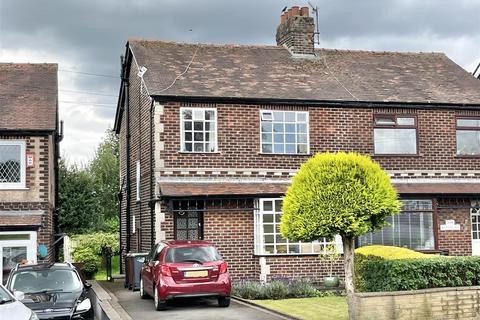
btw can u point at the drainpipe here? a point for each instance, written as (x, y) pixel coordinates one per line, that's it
(151, 203)
(127, 146)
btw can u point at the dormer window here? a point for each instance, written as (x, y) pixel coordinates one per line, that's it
(395, 134)
(198, 130)
(12, 164)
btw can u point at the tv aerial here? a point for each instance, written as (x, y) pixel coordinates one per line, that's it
(316, 34)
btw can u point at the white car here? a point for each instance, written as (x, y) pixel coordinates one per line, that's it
(12, 308)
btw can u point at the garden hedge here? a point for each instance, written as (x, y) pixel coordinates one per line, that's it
(387, 271)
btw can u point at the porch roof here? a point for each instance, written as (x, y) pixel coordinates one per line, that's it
(215, 189)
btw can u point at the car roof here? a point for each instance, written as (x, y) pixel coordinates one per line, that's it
(44, 266)
(188, 243)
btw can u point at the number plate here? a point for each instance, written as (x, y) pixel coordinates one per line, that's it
(196, 274)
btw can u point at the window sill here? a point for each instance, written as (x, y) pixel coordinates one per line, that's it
(13, 188)
(192, 152)
(290, 255)
(466, 156)
(396, 155)
(286, 154)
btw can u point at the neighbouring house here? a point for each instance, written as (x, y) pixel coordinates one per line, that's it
(210, 136)
(29, 142)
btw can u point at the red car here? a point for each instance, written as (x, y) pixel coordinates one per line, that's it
(184, 269)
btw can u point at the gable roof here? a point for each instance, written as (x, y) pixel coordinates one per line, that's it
(28, 96)
(270, 72)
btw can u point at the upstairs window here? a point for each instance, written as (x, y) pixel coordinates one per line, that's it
(284, 132)
(395, 134)
(199, 129)
(12, 164)
(468, 136)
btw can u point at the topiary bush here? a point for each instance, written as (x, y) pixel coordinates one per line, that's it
(384, 268)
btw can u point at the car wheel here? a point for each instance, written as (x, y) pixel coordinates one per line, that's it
(223, 302)
(143, 294)
(159, 304)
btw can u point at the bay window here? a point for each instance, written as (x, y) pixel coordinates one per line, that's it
(412, 228)
(269, 241)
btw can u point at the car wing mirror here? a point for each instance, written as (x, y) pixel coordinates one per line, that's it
(19, 295)
(87, 285)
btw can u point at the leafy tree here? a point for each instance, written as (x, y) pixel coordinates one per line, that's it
(104, 169)
(88, 195)
(79, 208)
(338, 193)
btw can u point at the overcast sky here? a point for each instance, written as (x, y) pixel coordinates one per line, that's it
(89, 36)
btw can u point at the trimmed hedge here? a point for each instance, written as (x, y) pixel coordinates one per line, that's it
(384, 268)
(415, 274)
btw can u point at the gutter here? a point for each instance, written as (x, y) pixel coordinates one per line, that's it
(324, 103)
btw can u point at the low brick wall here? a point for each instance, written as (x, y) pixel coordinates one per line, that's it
(439, 303)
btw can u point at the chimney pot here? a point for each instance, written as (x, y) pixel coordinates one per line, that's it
(288, 14)
(283, 17)
(304, 11)
(295, 11)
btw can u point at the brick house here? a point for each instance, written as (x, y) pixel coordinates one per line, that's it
(29, 140)
(210, 136)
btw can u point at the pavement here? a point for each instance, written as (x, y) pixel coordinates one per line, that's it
(184, 309)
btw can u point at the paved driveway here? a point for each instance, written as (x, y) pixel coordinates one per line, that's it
(185, 309)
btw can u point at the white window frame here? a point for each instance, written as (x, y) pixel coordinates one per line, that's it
(264, 111)
(21, 184)
(31, 245)
(182, 130)
(138, 177)
(259, 240)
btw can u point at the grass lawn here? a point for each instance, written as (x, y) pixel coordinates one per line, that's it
(102, 272)
(325, 308)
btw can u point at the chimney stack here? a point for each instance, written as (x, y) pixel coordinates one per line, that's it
(296, 31)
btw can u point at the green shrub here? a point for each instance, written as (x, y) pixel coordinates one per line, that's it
(250, 290)
(302, 289)
(99, 242)
(91, 260)
(413, 274)
(276, 290)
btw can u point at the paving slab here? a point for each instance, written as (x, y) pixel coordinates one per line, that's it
(184, 309)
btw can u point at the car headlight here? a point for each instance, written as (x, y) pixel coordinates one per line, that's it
(33, 316)
(83, 306)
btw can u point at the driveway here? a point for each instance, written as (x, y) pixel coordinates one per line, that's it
(185, 309)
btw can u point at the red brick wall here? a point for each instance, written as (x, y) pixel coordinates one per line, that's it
(303, 267)
(331, 129)
(458, 243)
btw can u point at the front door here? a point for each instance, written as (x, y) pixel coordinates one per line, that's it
(16, 247)
(475, 217)
(188, 225)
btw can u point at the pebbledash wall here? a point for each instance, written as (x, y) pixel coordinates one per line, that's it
(36, 201)
(439, 303)
(239, 157)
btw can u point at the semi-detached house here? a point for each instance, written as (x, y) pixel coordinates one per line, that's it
(29, 148)
(210, 136)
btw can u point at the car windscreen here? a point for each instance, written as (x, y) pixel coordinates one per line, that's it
(46, 280)
(4, 295)
(192, 254)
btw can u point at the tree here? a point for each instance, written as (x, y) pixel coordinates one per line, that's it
(104, 169)
(78, 210)
(338, 193)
